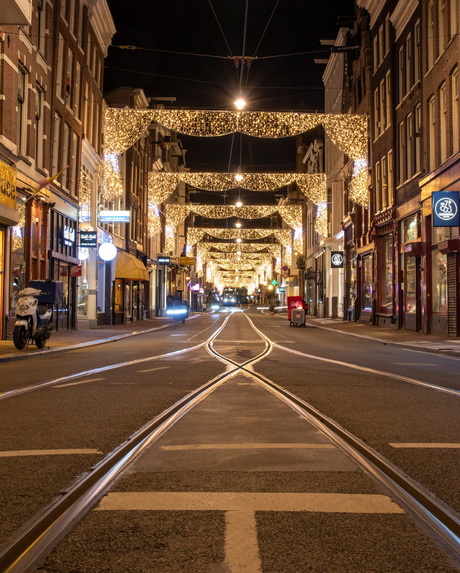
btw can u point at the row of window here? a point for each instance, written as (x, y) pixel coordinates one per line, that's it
(443, 121)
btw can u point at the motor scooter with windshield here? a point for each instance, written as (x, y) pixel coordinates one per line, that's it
(33, 319)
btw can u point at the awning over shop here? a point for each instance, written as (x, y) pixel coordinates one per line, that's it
(129, 267)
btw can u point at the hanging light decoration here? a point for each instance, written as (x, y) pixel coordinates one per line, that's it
(123, 127)
(112, 185)
(163, 183)
(321, 220)
(349, 132)
(359, 187)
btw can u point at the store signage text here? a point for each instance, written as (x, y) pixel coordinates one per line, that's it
(88, 239)
(68, 236)
(446, 208)
(114, 216)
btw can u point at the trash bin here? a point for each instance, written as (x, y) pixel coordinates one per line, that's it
(297, 317)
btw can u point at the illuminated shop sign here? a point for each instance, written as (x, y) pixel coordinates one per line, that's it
(337, 259)
(114, 216)
(68, 236)
(163, 260)
(88, 239)
(446, 211)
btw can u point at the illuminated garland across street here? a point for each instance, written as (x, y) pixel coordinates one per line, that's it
(349, 132)
(194, 235)
(163, 183)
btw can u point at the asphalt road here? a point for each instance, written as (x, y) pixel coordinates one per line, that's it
(67, 422)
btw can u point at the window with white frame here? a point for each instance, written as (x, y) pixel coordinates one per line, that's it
(375, 52)
(376, 113)
(455, 103)
(65, 155)
(60, 67)
(408, 64)
(453, 18)
(442, 28)
(388, 97)
(391, 188)
(431, 39)
(378, 187)
(69, 78)
(431, 133)
(21, 132)
(41, 26)
(39, 102)
(401, 151)
(409, 145)
(77, 90)
(401, 74)
(382, 47)
(417, 137)
(443, 132)
(385, 202)
(417, 51)
(382, 106)
(56, 143)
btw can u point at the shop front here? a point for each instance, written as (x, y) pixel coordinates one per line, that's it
(410, 264)
(385, 297)
(366, 286)
(63, 262)
(9, 216)
(131, 289)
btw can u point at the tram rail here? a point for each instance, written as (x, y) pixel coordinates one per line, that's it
(43, 532)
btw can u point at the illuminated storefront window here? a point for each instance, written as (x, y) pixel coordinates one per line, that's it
(386, 274)
(439, 285)
(367, 284)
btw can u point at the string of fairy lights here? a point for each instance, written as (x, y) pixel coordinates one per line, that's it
(123, 127)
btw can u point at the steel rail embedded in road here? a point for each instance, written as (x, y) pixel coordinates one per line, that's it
(44, 531)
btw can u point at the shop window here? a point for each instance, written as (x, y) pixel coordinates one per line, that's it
(411, 285)
(101, 287)
(439, 284)
(367, 290)
(411, 229)
(386, 276)
(82, 305)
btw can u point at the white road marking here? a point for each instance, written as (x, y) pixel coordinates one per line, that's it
(21, 453)
(153, 369)
(241, 544)
(229, 501)
(224, 341)
(414, 381)
(439, 445)
(247, 447)
(241, 547)
(76, 383)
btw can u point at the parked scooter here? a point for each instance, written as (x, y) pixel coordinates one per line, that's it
(33, 321)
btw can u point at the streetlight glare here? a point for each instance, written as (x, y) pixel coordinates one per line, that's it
(240, 103)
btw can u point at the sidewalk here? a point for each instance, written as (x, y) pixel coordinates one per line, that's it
(73, 339)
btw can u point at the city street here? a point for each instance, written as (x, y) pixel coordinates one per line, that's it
(239, 439)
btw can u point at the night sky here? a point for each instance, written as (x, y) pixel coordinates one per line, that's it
(188, 51)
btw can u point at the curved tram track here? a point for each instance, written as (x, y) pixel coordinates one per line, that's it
(30, 546)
